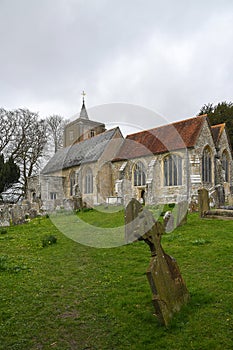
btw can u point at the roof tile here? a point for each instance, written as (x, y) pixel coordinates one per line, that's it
(178, 135)
(217, 132)
(86, 151)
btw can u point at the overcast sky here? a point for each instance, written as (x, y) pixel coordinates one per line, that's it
(168, 56)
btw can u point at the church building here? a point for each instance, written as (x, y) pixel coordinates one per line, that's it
(167, 164)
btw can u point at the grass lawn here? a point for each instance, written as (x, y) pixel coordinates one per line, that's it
(72, 296)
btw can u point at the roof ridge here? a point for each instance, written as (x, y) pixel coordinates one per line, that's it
(221, 128)
(218, 125)
(169, 124)
(176, 135)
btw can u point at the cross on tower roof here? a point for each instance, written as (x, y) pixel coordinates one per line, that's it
(83, 113)
(83, 94)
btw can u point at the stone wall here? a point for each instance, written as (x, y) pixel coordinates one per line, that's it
(225, 146)
(18, 213)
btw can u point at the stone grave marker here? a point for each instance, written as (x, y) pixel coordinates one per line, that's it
(182, 213)
(203, 201)
(169, 221)
(220, 196)
(167, 285)
(4, 217)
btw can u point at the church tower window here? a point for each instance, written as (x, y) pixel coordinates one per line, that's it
(92, 133)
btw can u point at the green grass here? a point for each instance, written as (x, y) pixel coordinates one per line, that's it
(70, 296)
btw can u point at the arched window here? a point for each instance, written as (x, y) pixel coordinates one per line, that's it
(139, 174)
(225, 165)
(172, 165)
(207, 165)
(88, 181)
(72, 183)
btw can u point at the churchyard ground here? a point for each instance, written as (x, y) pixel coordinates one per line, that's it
(70, 296)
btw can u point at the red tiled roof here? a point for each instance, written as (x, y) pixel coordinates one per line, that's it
(217, 131)
(178, 135)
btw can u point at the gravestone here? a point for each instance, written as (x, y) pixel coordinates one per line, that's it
(203, 201)
(4, 216)
(169, 222)
(167, 285)
(5, 223)
(182, 213)
(17, 215)
(220, 196)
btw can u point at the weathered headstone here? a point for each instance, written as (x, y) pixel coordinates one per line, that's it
(182, 213)
(169, 222)
(193, 206)
(220, 196)
(203, 201)
(17, 215)
(167, 285)
(4, 223)
(77, 202)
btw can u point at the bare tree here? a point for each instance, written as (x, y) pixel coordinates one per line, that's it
(7, 128)
(28, 140)
(24, 140)
(55, 127)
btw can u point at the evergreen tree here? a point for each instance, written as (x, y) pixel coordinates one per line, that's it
(9, 173)
(220, 113)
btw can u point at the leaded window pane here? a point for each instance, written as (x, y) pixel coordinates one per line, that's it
(206, 166)
(139, 174)
(88, 184)
(72, 183)
(225, 165)
(172, 170)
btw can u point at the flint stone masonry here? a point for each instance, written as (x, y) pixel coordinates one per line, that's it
(167, 285)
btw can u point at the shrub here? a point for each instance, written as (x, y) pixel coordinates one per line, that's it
(3, 231)
(49, 240)
(171, 205)
(86, 209)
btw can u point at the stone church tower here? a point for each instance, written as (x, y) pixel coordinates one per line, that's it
(82, 128)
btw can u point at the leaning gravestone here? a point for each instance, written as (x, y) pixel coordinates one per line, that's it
(182, 213)
(167, 285)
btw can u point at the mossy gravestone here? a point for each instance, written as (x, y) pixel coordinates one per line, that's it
(167, 285)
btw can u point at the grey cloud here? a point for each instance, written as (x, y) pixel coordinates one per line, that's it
(170, 56)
